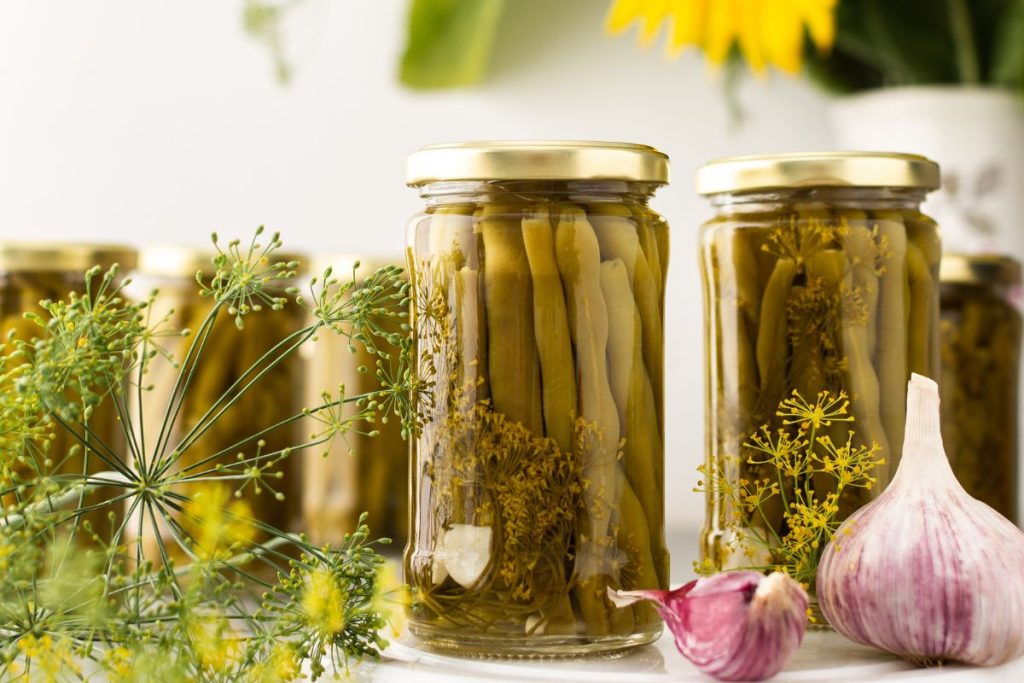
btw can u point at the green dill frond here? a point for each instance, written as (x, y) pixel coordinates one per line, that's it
(136, 553)
(802, 474)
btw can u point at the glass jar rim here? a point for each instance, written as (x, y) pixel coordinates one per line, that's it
(817, 169)
(536, 160)
(55, 257)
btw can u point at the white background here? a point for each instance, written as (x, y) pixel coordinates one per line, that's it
(160, 121)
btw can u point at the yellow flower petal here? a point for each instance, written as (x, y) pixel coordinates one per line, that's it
(767, 32)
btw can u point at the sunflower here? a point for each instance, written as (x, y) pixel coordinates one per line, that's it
(769, 32)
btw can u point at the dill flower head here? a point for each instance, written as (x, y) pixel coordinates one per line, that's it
(767, 32)
(219, 524)
(217, 645)
(323, 603)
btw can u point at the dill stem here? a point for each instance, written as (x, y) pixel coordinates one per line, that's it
(182, 382)
(209, 418)
(263, 432)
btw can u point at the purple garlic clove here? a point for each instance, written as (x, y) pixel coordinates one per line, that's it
(735, 626)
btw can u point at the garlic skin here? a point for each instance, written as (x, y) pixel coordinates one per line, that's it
(735, 625)
(926, 571)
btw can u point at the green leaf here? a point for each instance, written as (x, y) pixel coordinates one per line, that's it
(1008, 51)
(449, 42)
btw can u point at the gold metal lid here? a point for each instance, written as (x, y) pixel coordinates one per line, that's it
(56, 257)
(536, 160)
(178, 261)
(824, 169)
(979, 269)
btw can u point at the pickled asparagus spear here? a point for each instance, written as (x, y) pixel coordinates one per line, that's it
(551, 327)
(579, 262)
(634, 538)
(739, 314)
(892, 333)
(861, 380)
(649, 243)
(618, 238)
(513, 365)
(919, 351)
(635, 400)
(773, 333)
(923, 232)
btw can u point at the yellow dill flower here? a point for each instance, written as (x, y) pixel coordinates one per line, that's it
(391, 597)
(768, 32)
(282, 665)
(216, 645)
(217, 523)
(119, 665)
(324, 603)
(51, 660)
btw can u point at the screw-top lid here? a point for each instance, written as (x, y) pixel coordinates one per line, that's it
(537, 160)
(56, 257)
(817, 169)
(980, 269)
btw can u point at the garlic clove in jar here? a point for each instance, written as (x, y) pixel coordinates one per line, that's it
(926, 571)
(735, 625)
(466, 551)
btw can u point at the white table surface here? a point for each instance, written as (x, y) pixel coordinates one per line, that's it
(823, 656)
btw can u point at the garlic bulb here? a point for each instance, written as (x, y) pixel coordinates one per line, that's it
(926, 571)
(735, 626)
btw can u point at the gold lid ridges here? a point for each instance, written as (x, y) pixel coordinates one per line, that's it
(56, 257)
(536, 160)
(817, 169)
(980, 269)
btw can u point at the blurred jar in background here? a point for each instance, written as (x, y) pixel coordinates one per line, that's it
(359, 473)
(248, 425)
(29, 273)
(981, 334)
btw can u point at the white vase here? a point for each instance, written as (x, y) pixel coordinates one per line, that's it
(976, 135)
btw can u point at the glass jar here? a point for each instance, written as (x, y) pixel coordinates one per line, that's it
(29, 273)
(359, 473)
(538, 275)
(981, 334)
(820, 275)
(230, 351)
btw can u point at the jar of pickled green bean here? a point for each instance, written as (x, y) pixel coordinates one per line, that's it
(980, 332)
(361, 473)
(820, 290)
(538, 279)
(226, 422)
(29, 273)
